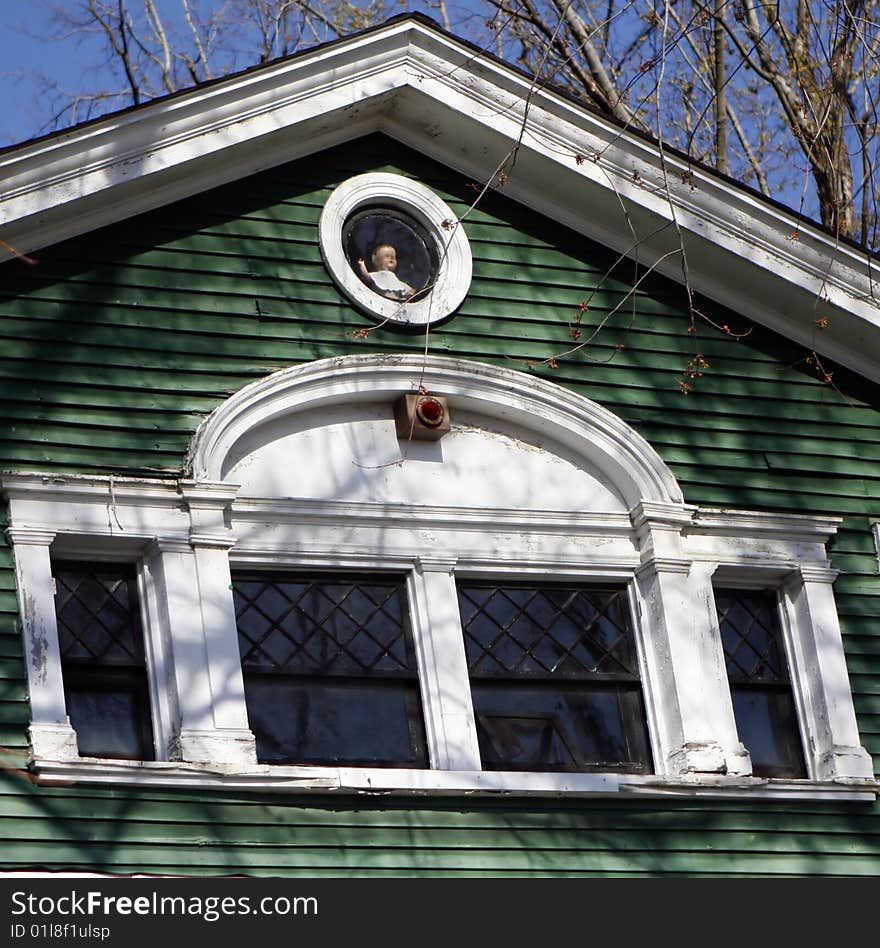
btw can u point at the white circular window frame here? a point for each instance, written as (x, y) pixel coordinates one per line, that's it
(402, 194)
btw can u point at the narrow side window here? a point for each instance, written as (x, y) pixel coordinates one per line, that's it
(760, 684)
(102, 660)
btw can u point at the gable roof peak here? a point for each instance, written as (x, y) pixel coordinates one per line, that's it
(436, 93)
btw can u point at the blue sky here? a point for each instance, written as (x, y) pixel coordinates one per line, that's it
(26, 108)
(75, 65)
(23, 56)
(21, 114)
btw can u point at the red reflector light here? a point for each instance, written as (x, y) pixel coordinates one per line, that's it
(430, 412)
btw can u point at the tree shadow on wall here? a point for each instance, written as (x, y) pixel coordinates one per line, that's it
(118, 344)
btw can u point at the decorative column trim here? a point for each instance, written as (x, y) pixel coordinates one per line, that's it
(167, 545)
(436, 564)
(216, 541)
(664, 564)
(654, 513)
(207, 493)
(820, 679)
(689, 705)
(197, 621)
(443, 673)
(31, 536)
(50, 732)
(816, 574)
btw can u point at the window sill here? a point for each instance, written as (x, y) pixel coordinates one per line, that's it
(264, 777)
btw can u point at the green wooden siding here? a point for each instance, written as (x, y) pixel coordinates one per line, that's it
(117, 344)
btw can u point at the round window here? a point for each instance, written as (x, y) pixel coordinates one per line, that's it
(395, 249)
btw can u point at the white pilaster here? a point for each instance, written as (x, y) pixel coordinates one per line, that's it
(820, 678)
(193, 596)
(51, 736)
(230, 739)
(443, 673)
(690, 709)
(164, 706)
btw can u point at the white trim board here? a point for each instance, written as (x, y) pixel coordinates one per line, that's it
(435, 783)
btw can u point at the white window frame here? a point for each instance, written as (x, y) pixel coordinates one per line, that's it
(187, 536)
(393, 191)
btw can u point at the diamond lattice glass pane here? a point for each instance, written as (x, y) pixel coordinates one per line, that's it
(98, 616)
(553, 631)
(751, 636)
(323, 626)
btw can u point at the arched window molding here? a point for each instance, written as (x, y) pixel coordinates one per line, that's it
(590, 431)
(599, 505)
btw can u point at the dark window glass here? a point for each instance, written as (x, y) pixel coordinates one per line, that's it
(329, 670)
(554, 678)
(102, 660)
(760, 687)
(391, 252)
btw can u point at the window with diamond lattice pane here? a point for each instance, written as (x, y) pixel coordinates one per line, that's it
(554, 677)
(760, 686)
(102, 660)
(329, 670)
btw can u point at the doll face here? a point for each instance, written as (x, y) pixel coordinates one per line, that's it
(385, 257)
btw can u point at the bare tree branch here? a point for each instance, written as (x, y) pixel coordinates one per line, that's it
(768, 91)
(200, 46)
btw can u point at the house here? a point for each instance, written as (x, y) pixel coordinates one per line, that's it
(381, 498)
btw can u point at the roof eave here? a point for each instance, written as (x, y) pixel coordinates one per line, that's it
(429, 91)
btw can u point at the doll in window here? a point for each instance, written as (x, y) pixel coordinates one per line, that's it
(383, 279)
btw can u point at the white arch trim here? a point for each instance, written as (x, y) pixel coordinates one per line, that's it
(616, 450)
(186, 537)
